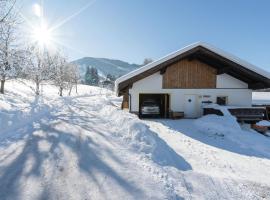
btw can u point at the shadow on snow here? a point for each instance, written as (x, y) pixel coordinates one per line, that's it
(86, 150)
(217, 141)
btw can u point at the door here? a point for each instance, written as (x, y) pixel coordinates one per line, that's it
(190, 106)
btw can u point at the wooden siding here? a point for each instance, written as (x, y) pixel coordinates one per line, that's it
(189, 74)
(125, 102)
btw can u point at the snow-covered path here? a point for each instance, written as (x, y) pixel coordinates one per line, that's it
(70, 153)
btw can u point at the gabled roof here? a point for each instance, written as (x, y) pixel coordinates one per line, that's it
(256, 77)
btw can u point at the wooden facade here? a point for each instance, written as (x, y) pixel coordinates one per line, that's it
(189, 74)
(125, 102)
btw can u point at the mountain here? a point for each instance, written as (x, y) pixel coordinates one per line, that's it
(105, 66)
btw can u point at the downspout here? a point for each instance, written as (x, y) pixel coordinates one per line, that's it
(129, 96)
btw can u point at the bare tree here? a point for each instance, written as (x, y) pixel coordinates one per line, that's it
(65, 75)
(60, 72)
(73, 77)
(38, 67)
(10, 55)
(6, 8)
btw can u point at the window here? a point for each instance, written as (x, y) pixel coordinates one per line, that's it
(222, 100)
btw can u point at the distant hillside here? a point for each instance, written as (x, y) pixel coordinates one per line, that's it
(105, 66)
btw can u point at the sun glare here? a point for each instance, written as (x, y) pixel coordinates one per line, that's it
(42, 35)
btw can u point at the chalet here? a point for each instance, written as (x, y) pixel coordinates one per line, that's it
(182, 82)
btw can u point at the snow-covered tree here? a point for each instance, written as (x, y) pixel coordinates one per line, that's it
(73, 76)
(109, 82)
(110, 77)
(6, 8)
(60, 72)
(38, 67)
(64, 75)
(10, 55)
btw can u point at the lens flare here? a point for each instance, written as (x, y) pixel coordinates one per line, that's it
(42, 35)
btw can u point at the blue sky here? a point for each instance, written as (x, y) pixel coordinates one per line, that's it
(132, 30)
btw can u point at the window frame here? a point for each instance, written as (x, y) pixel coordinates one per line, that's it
(226, 100)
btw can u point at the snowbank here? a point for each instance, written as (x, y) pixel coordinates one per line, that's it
(141, 139)
(218, 125)
(263, 123)
(228, 127)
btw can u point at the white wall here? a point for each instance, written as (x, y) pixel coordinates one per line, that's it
(153, 84)
(227, 81)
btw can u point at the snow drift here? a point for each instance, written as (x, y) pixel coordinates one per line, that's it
(219, 125)
(227, 127)
(140, 138)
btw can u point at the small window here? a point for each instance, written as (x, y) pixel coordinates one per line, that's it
(223, 101)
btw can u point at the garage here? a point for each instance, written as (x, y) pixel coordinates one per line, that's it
(154, 105)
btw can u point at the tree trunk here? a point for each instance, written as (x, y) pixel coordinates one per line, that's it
(37, 88)
(76, 88)
(61, 91)
(70, 89)
(2, 90)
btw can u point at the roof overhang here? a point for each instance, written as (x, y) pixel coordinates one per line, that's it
(255, 77)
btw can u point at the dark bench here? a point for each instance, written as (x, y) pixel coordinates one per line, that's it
(248, 115)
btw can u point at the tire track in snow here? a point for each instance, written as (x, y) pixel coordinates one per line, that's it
(155, 172)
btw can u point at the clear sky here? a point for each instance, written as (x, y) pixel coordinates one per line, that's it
(132, 30)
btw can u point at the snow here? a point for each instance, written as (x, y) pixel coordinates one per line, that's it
(220, 125)
(223, 109)
(187, 48)
(85, 147)
(263, 123)
(233, 164)
(70, 148)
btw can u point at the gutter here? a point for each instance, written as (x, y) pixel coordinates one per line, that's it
(129, 96)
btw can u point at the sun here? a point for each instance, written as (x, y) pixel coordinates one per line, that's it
(42, 35)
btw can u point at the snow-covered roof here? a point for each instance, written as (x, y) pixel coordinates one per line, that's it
(216, 50)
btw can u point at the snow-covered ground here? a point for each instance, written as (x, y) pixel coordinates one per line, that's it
(85, 147)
